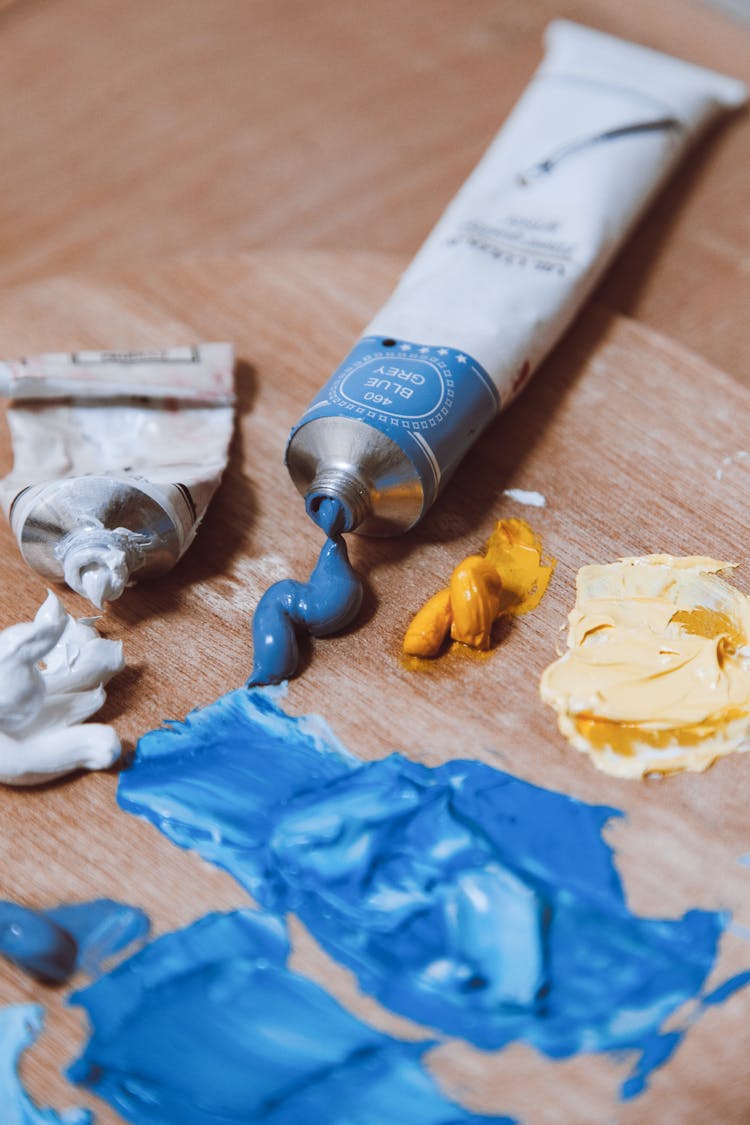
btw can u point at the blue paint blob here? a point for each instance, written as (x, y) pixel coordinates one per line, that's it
(327, 603)
(20, 1025)
(462, 897)
(36, 944)
(208, 1025)
(52, 944)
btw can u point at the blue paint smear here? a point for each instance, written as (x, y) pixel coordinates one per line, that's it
(722, 992)
(208, 1024)
(53, 944)
(20, 1025)
(325, 604)
(462, 897)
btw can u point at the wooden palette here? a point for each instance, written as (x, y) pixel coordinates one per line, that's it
(633, 441)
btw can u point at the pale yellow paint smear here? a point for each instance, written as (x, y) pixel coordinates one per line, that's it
(509, 578)
(656, 676)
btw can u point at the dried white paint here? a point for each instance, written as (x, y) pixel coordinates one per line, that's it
(733, 459)
(521, 496)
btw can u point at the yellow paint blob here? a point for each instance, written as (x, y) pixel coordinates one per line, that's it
(475, 592)
(656, 676)
(430, 627)
(510, 578)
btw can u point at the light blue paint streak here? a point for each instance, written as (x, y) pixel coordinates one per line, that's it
(208, 1025)
(20, 1025)
(53, 944)
(463, 898)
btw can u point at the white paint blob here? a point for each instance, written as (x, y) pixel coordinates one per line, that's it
(52, 675)
(522, 496)
(731, 459)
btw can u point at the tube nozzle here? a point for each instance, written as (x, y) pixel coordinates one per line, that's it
(347, 489)
(97, 565)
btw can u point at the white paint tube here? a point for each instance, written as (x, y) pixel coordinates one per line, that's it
(599, 129)
(110, 482)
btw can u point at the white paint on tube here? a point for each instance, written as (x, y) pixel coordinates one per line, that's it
(110, 482)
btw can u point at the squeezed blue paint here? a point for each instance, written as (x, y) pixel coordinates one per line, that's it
(36, 944)
(327, 603)
(20, 1025)
(53, 944)
(463, 898)
(208, 1025)
(329, 515)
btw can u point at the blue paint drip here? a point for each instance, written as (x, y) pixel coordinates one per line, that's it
(463, 898)
(208, 1024)
(659, 1048)
(656, 1050)
(52, 944)
(325, 604)
(722, 992)
(20, 1025)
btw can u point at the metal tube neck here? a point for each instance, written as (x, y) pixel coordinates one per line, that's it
(347, 488)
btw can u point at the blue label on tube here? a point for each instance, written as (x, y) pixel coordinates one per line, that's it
(432, 401)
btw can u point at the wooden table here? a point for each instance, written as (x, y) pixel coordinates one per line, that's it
(260, 172)
(142, 129)
(627, 466)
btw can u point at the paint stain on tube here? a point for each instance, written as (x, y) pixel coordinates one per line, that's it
(461, 897)
(208, 1024)
(656, 675)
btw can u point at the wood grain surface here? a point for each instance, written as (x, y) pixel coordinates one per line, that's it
(137, 129)
(623, 431)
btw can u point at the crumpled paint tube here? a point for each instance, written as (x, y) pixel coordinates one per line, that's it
(463, 898)
(42, 708)
(53, 944)
(208, 1024)
(110, 482)
(20, 1025)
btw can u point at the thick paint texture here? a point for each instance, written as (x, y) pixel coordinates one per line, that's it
(20, 1025)
(463, 898)
(53, 944)
(328, 602)
(656, 675)
(52, 675)
(208, 1025)
(509, 578)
